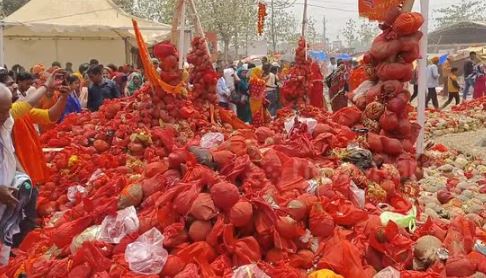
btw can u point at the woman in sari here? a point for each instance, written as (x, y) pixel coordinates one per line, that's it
(134, 83)
(258, 103)
(339, 87)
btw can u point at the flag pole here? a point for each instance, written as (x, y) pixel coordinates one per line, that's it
(422, 77)
(2, 47)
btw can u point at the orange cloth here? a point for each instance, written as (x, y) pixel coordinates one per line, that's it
(46, 103)
(26, 141)
(28, 149)
(376, 10)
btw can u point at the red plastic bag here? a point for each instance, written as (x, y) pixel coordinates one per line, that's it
(348, 116)
(342, 257)
(396, 248)
(460, 237)
(183, 201)
(245, 251)
(460, 266)
(225, 195)
(321, 223)
(395, 71)
(382, 49)
(92, 254)
(203, 207)
(345, 213)
(431, 227)
(64, 234)
(478, 259)
(190, 270)
(408, 23)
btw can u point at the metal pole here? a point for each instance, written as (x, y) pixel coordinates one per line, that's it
(422, 77)
(273, 29)
(2, 47)
(182, 26)
(324, 32)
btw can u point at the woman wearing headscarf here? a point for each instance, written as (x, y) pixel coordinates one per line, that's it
(134, 83)
(242, 87)
(258, 104)
(338, 87)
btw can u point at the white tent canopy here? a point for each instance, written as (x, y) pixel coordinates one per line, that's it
(43, 31)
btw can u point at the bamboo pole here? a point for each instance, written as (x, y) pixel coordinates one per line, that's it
(422, 77)
(182, 30)
(304, 20)
(197, 23)
(408, 5)
(175, 22)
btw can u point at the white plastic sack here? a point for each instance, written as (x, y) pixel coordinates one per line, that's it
(249, 271)
(388, 272)
(115, 227)
(362, 89)
(73, 192)
(90, 234)
(146, 255)
(211, 140)
(310, 122)
(358, 195)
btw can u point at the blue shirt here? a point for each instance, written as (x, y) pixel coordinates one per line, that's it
(98, 93)
(72, 106)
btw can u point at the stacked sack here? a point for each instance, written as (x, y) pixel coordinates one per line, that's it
(203, 77)
(383, 99)
(296, 87)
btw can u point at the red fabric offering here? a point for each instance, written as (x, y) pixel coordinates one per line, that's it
(342, 257)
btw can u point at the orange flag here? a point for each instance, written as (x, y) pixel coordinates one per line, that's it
(376, 9)
(150, 70)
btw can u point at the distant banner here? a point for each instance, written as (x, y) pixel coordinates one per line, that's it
(376, 9)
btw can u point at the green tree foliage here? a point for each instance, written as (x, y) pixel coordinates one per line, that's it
(359, 34)
(466, 10)
(7, 7)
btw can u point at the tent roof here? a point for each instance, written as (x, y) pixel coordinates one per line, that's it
(460, 33)
(86, 18)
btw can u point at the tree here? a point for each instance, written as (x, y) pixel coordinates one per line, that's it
(349, 32)
(156, 10)
(466, 10)
(359, 34)
(367, 31)
(10, 6)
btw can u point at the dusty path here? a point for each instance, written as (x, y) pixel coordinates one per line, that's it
(466, 142)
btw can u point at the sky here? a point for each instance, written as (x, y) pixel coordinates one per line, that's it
(337, 12)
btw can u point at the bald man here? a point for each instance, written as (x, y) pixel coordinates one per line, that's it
(16, 191)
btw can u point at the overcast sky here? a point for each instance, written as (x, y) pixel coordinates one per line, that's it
(337, 12)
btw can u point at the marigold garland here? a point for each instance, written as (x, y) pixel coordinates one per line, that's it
(262, 13)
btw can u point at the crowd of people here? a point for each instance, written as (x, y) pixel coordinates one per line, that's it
(32, 102)
(234, 87)
(473, 74)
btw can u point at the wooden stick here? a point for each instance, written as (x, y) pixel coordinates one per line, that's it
(197, 23)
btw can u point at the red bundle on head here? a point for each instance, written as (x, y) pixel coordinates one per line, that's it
(164, 49)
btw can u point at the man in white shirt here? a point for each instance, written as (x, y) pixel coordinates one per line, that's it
(332, 66)
(433, 82)
(222, 90)
(16, 191)
(230, 79)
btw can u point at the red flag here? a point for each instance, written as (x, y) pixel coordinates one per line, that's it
(376, 9)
